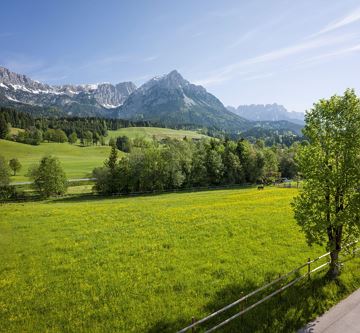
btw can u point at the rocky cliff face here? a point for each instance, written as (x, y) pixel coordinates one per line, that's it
(172, 100)
(267, 112)
(169, 99)
(93, 99)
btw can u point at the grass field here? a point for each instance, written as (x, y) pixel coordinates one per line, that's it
(77, 161)
(157, 132)
(148, 264)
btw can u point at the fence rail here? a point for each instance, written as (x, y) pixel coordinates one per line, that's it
(244, 298)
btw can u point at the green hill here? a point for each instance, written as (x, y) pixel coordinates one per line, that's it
(77, 161)
(157, 132)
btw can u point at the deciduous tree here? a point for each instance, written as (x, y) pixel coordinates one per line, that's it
(48, 177)
(15, 165)
(328, 208)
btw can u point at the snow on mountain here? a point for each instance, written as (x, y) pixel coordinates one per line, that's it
(267, 112)
(172, 100)
(69, 97)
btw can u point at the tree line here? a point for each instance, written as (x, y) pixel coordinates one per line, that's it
(92, 130)
(176, 164)
(89, 130)
(48, 177)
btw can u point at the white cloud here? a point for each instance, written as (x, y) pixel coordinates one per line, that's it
(242, 67)
(243, 38)
(258, 76)
(151, 58)
(348, 19)
(328, 55)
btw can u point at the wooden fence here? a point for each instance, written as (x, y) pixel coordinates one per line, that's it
(310, 270)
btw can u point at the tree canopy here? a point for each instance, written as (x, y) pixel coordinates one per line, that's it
(328, 208)
(48, 177)
(15, 165)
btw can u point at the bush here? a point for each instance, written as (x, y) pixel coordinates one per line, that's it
(15, 165)
(6, 191)
(123, 143)
(49, 178)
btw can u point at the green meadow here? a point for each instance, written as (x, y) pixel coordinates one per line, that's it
(77, 161)
(150, 263)
(154, 132)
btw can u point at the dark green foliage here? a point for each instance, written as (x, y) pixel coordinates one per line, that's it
(31, 136)
(73, 138)
(112, 142)
(15, 165)
(55, 135)
(96, 138)
(16, 118)
(288, 167)
(4, 172)
(88, 138)
(123, 143)
(281, 132)
(103, 180)
(6, 191)
(111, 162)
(48, 177)
(328, 208)
(4, 127)
(182, 164)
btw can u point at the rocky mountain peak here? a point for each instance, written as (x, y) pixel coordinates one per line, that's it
(20, 81)
(19, 88)
(174, 80)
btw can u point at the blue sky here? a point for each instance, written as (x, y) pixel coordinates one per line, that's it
(244, 52)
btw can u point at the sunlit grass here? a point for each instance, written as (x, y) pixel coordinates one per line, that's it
(77, 161)
(157, 132)
(148, 264)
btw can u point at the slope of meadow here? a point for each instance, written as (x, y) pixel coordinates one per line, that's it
(157, 132)
(148, 264)
(77, 161)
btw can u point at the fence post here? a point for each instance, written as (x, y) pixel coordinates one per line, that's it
(308, 265)
(192, 322)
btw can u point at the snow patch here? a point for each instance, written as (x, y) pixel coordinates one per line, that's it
(189, 101)
(110, 106)
(4, 85)
(12, 99)
(92, 86)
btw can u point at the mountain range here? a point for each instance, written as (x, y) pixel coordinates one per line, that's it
(172, 100)
(267, 112)
(168, 99)
(81, 100)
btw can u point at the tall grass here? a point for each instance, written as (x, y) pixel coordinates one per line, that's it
(148, 264)
(77, 161)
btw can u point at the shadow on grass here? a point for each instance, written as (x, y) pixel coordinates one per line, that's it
(89, 197)
(286, 312)
(167, 326)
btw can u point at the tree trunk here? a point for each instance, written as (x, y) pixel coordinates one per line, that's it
(334, 269)
(335, 237)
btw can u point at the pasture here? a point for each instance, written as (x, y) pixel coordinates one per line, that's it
(77, 161)
(157, 132)
(150, 263)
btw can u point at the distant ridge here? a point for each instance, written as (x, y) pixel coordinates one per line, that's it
(267, 112)
(169, 100)
(83, 100)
